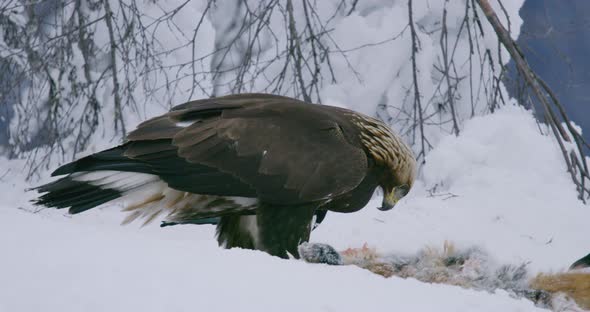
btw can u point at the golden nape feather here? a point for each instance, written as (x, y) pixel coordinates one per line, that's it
(387, 148)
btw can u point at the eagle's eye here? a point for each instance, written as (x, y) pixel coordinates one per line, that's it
(401, 191)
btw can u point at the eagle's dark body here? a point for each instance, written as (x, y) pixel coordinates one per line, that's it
(263, 164)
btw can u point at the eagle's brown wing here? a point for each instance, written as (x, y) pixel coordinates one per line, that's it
(287, 151)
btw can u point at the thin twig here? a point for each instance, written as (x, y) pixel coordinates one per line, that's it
(113, 53)
(417, 104)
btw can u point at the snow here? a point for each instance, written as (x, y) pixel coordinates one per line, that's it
(518, 211)
(60, 265)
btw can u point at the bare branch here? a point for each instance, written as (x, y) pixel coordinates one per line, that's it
(417, 103)
(119, 122)
(577, 162)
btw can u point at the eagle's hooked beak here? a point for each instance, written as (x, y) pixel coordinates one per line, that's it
(389, 200)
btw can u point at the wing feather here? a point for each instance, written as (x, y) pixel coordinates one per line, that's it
(286, 150)
(277, 149)
(274, 140)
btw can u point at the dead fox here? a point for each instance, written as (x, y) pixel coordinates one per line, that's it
(469, 268)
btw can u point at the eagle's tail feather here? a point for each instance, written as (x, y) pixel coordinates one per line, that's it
(78, 196)
(144, 196)
(81, 191)
(91, 181)
(110, 175)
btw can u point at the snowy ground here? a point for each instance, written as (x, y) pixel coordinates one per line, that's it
(500, 185)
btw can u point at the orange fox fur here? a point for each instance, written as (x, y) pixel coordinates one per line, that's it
(575, 285)
(572, 285)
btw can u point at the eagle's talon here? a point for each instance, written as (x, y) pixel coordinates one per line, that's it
(319, 253)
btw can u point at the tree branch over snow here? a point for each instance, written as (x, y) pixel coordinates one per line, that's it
(444, 47)
(417, 104)
(295, 51)
(574, 157)
(113, 53)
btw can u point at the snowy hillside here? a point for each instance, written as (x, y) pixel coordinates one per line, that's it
(88, 262)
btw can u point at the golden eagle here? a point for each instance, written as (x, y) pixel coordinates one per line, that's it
(263, 164)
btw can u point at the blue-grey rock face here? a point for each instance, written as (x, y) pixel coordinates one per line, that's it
(555, 39)
(7, 99)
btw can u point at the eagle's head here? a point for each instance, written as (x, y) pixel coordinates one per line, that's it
(391, 153)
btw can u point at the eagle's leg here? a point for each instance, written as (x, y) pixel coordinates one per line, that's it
(281, 229)
(237, 231)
